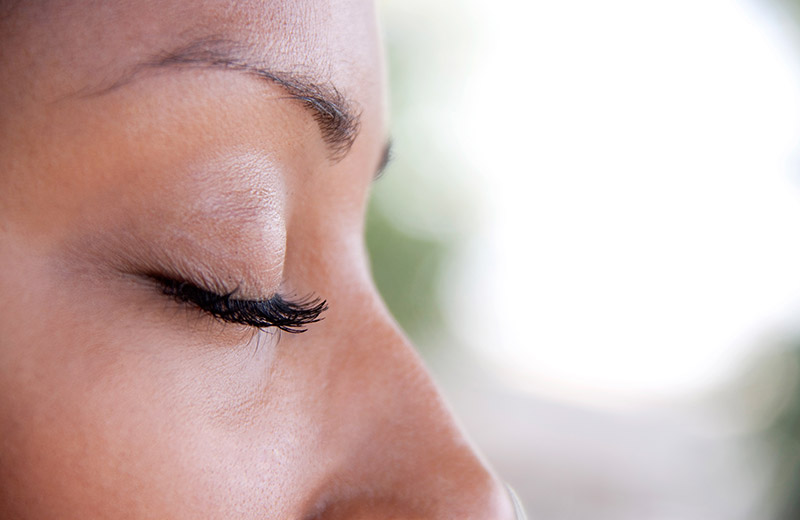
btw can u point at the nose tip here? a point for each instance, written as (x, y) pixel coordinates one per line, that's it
(500, 504)
(496, 501)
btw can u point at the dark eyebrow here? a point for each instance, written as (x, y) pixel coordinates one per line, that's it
(336, 116)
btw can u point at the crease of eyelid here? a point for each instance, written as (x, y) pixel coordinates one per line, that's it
(292, 316)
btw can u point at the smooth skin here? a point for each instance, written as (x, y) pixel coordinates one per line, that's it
(117, 163)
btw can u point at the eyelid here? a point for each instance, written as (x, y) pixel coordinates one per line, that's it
(274, 312)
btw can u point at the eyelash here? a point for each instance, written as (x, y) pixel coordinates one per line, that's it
(275, 312)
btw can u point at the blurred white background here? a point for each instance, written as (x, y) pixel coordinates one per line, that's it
(596, 204)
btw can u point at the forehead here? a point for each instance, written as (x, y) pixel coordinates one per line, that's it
(334, 42)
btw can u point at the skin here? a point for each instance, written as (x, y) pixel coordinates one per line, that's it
(119, 402)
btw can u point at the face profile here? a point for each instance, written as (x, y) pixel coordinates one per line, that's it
(188, 326)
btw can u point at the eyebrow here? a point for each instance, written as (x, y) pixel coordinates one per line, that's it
(336, 116)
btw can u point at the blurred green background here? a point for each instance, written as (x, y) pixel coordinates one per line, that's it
(784, 432)
(421, 214)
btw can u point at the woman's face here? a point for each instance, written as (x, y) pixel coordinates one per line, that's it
(153, 155)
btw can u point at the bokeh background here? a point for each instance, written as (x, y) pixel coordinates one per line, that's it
(590, 231)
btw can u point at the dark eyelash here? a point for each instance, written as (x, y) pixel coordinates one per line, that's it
(288, 316)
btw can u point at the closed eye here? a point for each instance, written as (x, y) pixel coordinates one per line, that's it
(274, 312)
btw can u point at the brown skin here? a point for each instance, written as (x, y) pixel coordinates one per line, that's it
(118, 402)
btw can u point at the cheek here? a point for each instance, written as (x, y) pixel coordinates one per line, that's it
(102, 412)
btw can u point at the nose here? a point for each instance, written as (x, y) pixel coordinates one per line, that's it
(399, 452)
